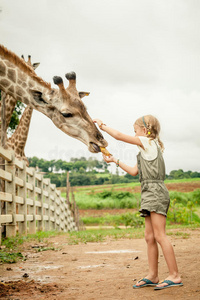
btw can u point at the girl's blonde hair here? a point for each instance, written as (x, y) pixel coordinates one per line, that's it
(153, 128)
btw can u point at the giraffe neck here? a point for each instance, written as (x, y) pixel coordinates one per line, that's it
(10, 106)
(18, 140)
(17, 78)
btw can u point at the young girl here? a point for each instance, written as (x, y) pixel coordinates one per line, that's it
(154, 195)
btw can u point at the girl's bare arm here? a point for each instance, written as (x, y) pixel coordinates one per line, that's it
(128, 169)
(119, 135)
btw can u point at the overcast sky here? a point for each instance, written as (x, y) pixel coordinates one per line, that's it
(134, 57)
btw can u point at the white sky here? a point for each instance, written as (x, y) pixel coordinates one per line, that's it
(134, 57)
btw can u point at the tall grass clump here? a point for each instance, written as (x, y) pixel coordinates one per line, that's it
(107, 199)
(126, 219)
(182, 213)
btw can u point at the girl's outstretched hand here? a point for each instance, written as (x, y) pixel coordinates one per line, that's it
(98, 121)
(109, 159)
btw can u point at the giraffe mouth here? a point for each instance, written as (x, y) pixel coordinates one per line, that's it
(95, 148)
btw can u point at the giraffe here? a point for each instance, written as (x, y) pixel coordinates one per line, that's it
(10, 101)
(16, 141)
(63, 106)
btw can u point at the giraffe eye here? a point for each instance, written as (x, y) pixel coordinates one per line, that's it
(67, 115)
(38, 97)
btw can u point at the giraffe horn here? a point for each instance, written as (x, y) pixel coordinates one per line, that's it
(29, 59)
(72, 79)
(59, 82)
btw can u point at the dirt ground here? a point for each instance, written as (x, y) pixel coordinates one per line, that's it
(96, 271)
(179, 187)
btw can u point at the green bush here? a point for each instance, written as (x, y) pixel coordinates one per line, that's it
(115, 194)
(182, 214)
(195, 195)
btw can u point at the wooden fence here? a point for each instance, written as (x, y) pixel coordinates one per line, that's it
(32, 203)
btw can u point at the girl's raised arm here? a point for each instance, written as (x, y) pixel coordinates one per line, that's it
(118, 135)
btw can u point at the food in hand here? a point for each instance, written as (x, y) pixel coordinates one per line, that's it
(105, 151)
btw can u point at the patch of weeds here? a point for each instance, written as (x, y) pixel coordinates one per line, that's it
(9, 257)
(11, 246)
(99, 235)
(183, 235)
(126, 219)
(85, 237)
(41, 249)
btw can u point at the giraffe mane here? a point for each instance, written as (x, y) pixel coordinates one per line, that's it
(19, 62)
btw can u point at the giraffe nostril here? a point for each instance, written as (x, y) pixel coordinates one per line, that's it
(99, 136)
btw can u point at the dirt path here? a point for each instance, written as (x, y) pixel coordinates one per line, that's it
(95, 271)
(179, 187)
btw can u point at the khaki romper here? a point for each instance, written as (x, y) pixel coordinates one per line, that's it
(154, 194)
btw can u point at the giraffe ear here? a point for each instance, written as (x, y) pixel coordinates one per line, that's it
(83, 94)
(35, 65)
(37, 96)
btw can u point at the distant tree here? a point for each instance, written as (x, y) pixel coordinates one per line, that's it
(177, 174)
(80, 164)
(33, 161)
(195, 174)
(67, 166)
(58, 164)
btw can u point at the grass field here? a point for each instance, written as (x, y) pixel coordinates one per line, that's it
(184, 207)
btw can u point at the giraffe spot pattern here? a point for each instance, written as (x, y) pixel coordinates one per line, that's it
(19, 91)
(5, 83)
(12, 75)
(2, 69)
(11, 90)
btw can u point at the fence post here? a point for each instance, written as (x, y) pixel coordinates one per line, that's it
(22, 208)
(68, 190)
(2, 161)
(47, 211)
(40, 209)
(52, 206)
(62, 213)
(3, 119)
(10, 188)
(32, 208)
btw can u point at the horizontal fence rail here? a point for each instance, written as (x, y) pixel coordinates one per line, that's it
(29, 202)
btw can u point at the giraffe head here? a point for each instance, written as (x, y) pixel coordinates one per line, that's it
(69, 113)
(63, 106)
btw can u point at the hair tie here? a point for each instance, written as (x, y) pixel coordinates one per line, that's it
(145, 125)
(149, 132)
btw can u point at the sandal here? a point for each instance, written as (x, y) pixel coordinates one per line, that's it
(147, 283)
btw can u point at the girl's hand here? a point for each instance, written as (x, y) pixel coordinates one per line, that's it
(98, 121)
(109, 159)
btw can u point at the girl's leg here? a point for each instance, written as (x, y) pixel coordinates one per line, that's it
(152, 251)
(159, 225)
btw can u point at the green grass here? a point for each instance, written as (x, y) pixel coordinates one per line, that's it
(100, 234)
(89, 197)
(181, 180)
(183, 235)
(11, 253)
(126, 219)
(95, 200)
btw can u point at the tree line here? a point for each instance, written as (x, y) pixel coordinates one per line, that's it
(90, 172)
